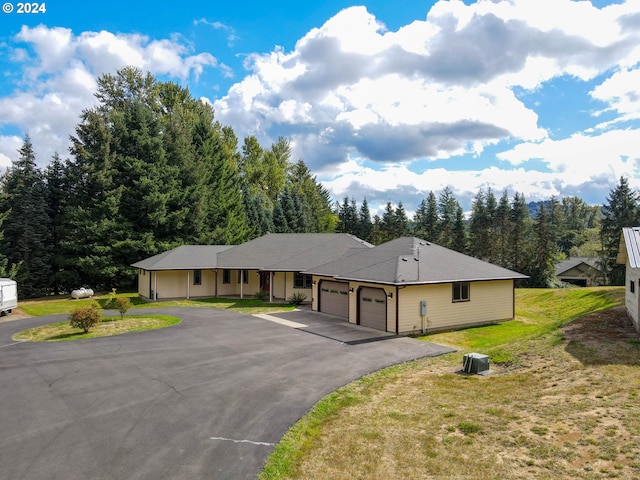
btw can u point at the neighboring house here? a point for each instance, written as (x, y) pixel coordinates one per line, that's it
(629, 255)
(406, 285)
(581, 271)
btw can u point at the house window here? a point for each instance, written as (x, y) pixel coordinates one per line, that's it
(300, 280)
(226, 276)
(461, 292)
(245, 276)
(197, 277)
(632, 286)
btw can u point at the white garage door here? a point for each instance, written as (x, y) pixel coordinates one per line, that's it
(334, 298)
(372, 310)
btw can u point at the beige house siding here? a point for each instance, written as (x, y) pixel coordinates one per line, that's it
(247, 290)
(179, 284)
(283, 286)
(143, 283)
(631, 298)
(489, 301)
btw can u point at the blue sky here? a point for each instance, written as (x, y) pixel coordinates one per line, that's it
(383, 100)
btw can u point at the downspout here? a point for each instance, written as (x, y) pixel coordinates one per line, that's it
(241, 282)
(271, 277)
(215, 282)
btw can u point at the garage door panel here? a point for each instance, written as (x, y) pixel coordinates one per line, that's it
(373, 308)
(334, 298)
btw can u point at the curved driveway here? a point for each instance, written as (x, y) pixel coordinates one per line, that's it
(207, 398)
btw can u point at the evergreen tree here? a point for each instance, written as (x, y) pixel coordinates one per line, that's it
(519, 234)
(259, 213)
(58, 196)
(388, 224)
(26, 229)
(502, 227)
(312, 198)
(420, 220)
(447, 208)
(459, 232)
(480, 228)
(620, 210)
(432, 221)
(541, 270)
(279, 220)
(348, 216)
(401, 222)
(364, 222)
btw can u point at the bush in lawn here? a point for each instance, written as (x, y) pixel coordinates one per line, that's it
(85, 318)
(261, 295)
(123, 304)
(297, 298)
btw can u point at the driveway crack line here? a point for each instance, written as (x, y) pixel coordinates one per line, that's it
(266, 444)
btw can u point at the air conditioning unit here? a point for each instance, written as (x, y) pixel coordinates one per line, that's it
(475, 363)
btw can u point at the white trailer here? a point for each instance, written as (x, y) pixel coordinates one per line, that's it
(8, 295)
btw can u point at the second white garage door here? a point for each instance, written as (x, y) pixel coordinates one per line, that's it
(373, 308)
(334, 298)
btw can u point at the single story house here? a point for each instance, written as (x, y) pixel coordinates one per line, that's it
(581, 271)
(406, 285)
(629, 255)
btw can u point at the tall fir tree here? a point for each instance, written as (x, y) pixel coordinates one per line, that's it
(519, 234)
(620, 210)
(541, 269)
(26, 239)
(480, 227)
(364, 222)
(447, 208)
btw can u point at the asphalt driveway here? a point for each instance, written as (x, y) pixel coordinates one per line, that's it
(205, 399)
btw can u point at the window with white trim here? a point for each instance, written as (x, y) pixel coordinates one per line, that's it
(460, 292)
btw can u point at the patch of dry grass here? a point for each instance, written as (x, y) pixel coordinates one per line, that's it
(567, 407)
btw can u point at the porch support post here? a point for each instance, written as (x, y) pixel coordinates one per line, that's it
(155, 287)
(271, 278)
(241, 272)
(188, 290)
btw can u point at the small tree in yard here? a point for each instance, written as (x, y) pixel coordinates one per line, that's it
(85, 318)
(123, 304)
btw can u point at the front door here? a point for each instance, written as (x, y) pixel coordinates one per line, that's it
(265, 281)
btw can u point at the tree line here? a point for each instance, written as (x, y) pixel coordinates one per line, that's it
(526, 237)
(150, 169)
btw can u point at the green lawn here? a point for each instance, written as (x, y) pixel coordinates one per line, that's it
(57, 305)
(108, 326)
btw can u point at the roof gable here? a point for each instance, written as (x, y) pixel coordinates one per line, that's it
(629, 250)
(584, 264)
(410, 260)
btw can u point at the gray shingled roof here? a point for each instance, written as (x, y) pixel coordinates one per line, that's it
(629, 247)
(290, 251)
(573, 262)
(410, 260)
(185, 257)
